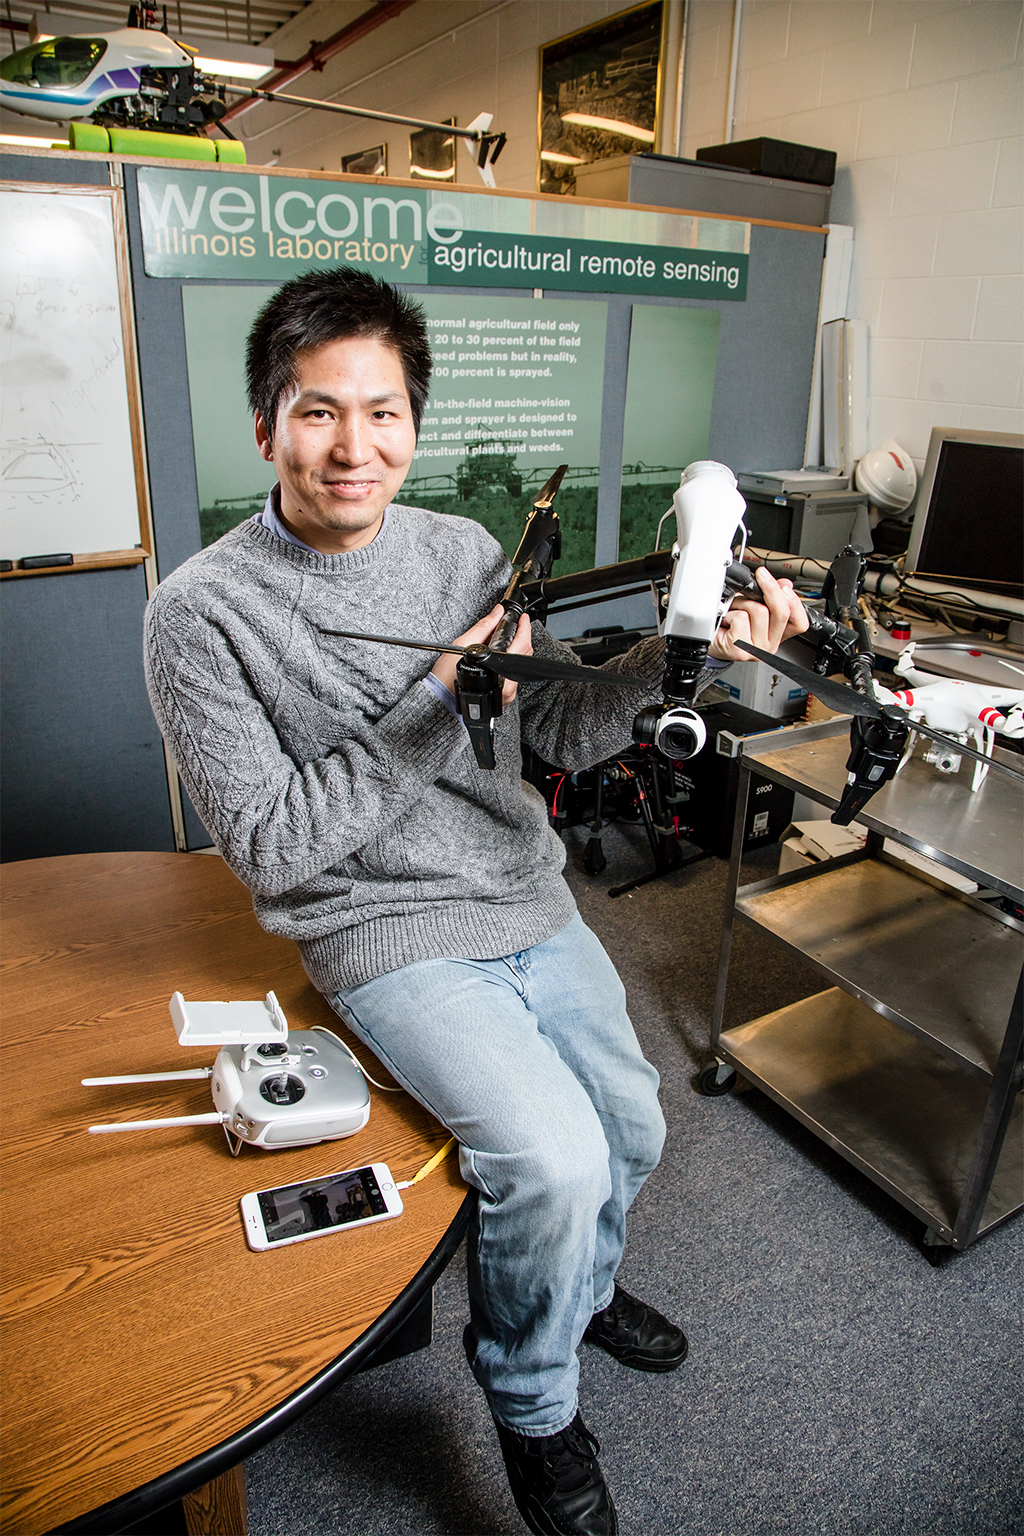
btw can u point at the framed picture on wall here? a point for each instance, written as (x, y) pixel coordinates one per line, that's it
(599, 94)
(432, 154)
(367, 162)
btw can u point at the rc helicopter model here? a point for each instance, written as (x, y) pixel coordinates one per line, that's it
(139, 77)
(703, 578)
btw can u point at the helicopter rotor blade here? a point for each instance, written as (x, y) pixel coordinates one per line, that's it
(849, 702)
(412, 645)
(518, 669)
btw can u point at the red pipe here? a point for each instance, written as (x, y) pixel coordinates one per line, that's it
(319, 53)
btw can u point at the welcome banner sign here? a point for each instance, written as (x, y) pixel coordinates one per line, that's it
(205, 223)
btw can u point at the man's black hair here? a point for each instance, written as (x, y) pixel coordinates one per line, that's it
(320, 307)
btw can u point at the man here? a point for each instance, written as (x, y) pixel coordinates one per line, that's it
(425, 894)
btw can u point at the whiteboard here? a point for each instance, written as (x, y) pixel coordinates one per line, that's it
(70, 476)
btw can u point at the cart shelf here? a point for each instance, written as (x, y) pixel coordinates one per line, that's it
(903, 1115)
(910, 1066)
(935, 963)
(936, 814)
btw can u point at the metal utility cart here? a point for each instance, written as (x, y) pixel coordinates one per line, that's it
(909, 1064)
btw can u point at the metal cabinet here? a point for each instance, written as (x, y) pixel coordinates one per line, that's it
(909, 1063)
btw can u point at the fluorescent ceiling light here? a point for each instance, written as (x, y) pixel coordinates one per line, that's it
(610, 125)
(421, 170)
(557, 159)
(213, 62)
(236, 61)
(34, 141)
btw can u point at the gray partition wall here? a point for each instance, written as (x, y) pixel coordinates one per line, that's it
(84, 769)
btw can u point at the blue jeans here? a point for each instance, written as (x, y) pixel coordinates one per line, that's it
(532, 1063)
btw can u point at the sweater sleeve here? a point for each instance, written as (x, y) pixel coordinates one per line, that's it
(575, 725)
(279, 823)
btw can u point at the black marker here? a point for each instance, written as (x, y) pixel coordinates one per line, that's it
(39, 562)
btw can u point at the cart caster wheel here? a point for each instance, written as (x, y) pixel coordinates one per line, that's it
(710, 1084)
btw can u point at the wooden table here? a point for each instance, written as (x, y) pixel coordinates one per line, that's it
(147, 1350)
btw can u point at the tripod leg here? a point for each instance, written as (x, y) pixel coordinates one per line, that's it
(668, 844)
(594, 860)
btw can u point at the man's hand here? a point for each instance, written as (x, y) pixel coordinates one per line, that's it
(765, 625)
(483, 629)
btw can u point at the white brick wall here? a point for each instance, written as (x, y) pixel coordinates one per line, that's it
(923, 102)
(920, 99)
(489, 65)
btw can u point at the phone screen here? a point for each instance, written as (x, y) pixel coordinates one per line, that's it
(319, 1204)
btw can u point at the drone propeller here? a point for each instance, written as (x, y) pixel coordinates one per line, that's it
(849, 702)
(518, 669)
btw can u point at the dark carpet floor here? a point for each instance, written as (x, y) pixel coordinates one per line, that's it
(837, 1384)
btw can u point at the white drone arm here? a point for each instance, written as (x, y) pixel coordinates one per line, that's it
(708, 509)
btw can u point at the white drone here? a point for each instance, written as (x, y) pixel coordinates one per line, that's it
(960, 710)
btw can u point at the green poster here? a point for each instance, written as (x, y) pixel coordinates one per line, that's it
(231, 478)
(669, 388)
(516, 391)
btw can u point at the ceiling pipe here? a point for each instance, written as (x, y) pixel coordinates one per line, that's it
(319, 53)
(734, 70)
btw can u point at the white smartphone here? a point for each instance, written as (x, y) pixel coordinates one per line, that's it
(313, 1207)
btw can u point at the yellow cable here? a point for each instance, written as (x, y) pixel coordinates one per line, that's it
(434, 1162)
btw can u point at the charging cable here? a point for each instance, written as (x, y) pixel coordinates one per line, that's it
(435, 1162)
(438, 1157)
(321, 1029)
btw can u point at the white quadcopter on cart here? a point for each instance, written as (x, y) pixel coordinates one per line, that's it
(964, 711)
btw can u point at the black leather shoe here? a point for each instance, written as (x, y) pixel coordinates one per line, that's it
(634, 1334)
(557, 1483)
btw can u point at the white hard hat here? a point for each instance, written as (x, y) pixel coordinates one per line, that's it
(887, 476)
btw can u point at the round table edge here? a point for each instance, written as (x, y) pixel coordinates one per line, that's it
(202, 1469)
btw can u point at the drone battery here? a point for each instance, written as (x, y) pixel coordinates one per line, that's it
(706, 787)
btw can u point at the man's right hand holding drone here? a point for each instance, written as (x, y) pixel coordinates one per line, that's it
(764, 624)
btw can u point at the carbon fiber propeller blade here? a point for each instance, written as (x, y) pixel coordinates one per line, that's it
(518, 669)
(849, 702)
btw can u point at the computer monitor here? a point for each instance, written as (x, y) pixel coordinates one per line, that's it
(969, 518)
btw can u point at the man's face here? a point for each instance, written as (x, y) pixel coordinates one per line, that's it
(343, 442)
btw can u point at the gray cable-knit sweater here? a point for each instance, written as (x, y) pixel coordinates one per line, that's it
(336, 785)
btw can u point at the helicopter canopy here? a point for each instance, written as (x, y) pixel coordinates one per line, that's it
(60, 61)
